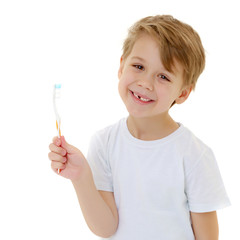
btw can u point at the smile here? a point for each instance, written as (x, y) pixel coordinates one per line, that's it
(140, 99)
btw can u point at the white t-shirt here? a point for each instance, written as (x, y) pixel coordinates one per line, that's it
(156, 183)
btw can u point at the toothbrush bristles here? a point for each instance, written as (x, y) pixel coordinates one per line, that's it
(58, 86)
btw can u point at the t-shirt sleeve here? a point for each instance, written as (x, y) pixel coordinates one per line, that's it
(204, 186)
(99, 164)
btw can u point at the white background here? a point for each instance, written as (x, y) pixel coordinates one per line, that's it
(78, 44)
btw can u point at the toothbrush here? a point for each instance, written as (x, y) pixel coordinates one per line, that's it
(56, 103)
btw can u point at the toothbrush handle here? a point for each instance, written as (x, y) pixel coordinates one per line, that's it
(58, 128)
(59, 134)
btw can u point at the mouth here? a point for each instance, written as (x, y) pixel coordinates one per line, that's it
(140, 98)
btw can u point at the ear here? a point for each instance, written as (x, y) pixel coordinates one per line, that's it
(120, 68)
(185, 92)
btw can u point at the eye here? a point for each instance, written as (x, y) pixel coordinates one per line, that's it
(140, 67)
(163, 77)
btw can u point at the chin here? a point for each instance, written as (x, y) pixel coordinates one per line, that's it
(138, 113)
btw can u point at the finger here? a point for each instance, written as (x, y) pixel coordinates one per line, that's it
(56, 157)
(57, 141)
(56, 149)
(57, 165)
(69, 148)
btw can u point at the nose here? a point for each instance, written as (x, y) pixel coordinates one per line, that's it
(146, 83)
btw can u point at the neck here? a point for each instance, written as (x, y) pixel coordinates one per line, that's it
(151, 128)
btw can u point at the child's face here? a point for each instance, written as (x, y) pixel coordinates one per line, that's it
(146, 88)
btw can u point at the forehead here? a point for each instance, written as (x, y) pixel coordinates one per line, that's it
(147, 46)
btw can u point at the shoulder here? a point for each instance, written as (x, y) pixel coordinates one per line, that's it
(194, 144)
(195, 151)
(107, 134)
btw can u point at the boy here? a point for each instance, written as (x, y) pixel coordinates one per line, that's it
(147, 176)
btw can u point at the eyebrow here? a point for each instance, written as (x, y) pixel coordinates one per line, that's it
(138, 58)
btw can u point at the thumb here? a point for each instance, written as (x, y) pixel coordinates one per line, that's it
(69, 148)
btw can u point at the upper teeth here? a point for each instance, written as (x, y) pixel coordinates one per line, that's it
(143, 99)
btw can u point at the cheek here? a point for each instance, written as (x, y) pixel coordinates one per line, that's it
(119, 87)
(122, 88)
(165, 95)
(163, 92)
(125, 80)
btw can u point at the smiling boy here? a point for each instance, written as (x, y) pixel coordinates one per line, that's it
(147, 176)
(148, 90)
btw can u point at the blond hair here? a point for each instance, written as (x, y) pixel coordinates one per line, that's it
(177, 41)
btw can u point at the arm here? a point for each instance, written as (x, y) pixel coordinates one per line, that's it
(98, 207)
(205, 225)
